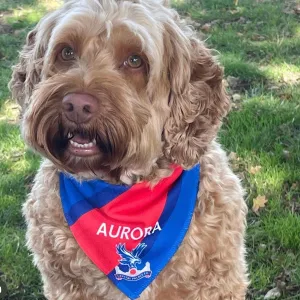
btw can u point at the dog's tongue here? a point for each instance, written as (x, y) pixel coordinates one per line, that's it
(80, 139)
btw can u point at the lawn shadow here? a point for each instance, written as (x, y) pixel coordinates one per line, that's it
(251, 34)
(266, 130)
(266, 133)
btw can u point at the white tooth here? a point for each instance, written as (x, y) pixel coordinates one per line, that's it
(94, 141)
(69, 135)
(85, 145)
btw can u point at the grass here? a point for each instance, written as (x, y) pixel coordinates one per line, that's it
(258, 43)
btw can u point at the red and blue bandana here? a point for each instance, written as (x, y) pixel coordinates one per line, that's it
(130, 232)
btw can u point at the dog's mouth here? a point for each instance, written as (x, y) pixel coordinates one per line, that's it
(82, 145)
(86, 148)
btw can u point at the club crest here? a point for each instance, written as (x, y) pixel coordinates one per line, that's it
(132, 267)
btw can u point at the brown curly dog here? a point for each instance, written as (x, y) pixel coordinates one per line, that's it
(120, 90)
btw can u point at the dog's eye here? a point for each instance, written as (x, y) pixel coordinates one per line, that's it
(134, 61)
(67, 53)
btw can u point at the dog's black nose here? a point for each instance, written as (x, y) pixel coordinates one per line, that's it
(79, 108)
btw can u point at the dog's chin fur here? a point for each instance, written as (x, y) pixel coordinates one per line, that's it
(166, 111)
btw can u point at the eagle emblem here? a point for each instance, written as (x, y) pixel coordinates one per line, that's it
(132, 259)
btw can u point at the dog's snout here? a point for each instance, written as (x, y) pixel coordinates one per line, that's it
(79, 108)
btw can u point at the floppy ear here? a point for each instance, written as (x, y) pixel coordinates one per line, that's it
(198, 100)
(26, 74)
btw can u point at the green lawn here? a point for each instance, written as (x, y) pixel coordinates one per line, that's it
(258, 42)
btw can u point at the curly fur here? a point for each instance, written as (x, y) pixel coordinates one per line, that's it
(168, 113)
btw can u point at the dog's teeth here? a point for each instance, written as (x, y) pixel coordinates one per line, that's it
(69, 135)
(87, 145)
(94, 142)
(74, 143)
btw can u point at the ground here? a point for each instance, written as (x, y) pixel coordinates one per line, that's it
(258, 43)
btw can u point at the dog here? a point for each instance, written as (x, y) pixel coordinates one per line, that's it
(123, 91)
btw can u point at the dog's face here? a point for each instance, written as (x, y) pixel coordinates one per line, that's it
(117, 87)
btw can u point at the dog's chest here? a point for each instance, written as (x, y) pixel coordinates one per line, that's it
(57, 245)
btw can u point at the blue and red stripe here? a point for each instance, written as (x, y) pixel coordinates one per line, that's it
(170, 203)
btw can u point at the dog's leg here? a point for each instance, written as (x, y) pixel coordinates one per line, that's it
(49, 239)
(210, 264)
(43, 238)
(219, 231)
(67, 273)
(62, 290)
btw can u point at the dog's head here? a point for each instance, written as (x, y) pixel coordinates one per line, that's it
(118, 87)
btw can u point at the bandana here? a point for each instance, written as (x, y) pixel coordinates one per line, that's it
(130, 232)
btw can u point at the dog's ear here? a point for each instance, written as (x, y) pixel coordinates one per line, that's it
(198, 100)
(26, 74)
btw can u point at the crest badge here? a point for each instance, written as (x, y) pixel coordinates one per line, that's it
(134, 269)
